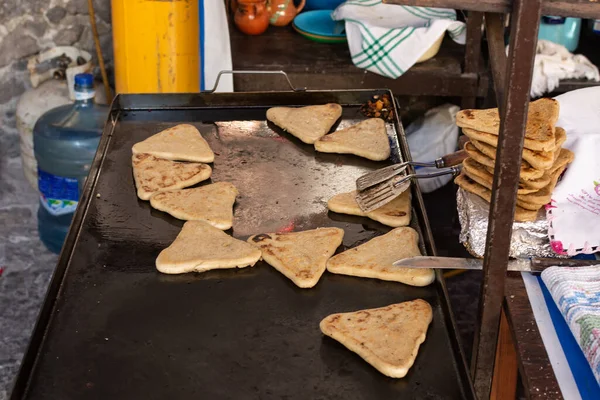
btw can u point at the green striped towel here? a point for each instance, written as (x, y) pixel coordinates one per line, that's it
(389, 39)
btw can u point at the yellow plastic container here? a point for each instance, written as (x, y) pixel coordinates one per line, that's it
(156, 46)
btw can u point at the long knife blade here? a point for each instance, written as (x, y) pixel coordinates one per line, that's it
(524, 264)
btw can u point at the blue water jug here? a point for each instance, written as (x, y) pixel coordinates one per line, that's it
(65, 140)
(561, 30)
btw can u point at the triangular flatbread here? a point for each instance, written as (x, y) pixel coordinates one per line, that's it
(211, 203)
(153, 175)
(536, 184)
(565, 157)
(544, 195)
(479, 174)
(562, 158)
(527, 171)
(537, 159)
(539, 132)
(181, 142)
(396, 213)
(374, 259)
(201, 247)
(560, 138)
(366, 139)
(300, 256)
(486, 154)
(306, 123)
(388, 338)
(522, 214)
(345, 203)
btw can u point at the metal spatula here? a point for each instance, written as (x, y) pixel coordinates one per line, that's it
(383, 174)
(382, 193)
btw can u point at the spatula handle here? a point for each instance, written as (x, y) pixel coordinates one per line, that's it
(451, 160)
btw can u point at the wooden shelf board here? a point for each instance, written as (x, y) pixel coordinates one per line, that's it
(573, 84)
(329, 66)
(566, 8)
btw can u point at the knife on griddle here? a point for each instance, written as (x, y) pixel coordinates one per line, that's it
(522, 264)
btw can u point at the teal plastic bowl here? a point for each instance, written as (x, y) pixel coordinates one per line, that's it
(322, 4)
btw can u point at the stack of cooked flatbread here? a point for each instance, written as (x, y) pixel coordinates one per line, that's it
(543, 161)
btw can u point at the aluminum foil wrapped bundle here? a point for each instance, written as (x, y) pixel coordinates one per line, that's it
(529, 239)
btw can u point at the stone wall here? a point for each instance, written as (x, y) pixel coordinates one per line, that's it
(30, 26)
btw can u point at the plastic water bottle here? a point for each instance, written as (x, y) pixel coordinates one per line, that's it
(65, 140)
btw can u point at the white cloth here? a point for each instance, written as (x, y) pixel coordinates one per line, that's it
(430, 137)
(388, 39)
(574, 211)
(553, 63)
(217, 47)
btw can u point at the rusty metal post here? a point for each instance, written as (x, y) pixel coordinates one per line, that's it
(523, 39)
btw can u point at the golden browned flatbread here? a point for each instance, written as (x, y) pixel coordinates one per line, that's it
(536, 184)
(527, 181)
(521, 214)
(479, 174)
(308, 124)
(345, 203)
(388, 338)
(300, 256)
(527, 171)
(565, 157)
(374, 259)
(211, 203)
(529, 206)
(560, 138)
(544, 195)
(539, 132)
(479, 156)
(201, 247)
(396, 213)
(366, 139)
(537, 159)
(562, 158)
(153, 175)
(181, 142)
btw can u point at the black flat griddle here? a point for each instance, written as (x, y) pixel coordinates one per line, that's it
(113, 327)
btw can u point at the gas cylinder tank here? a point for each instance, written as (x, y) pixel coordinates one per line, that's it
(47, 93)
(31, 106)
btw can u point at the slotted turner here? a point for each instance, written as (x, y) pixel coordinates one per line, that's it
(382, 193)
(383, 174)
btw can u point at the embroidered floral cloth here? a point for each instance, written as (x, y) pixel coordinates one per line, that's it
(574, 212)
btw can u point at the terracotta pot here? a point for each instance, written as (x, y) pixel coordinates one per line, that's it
(252, 16)
(284, 11)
